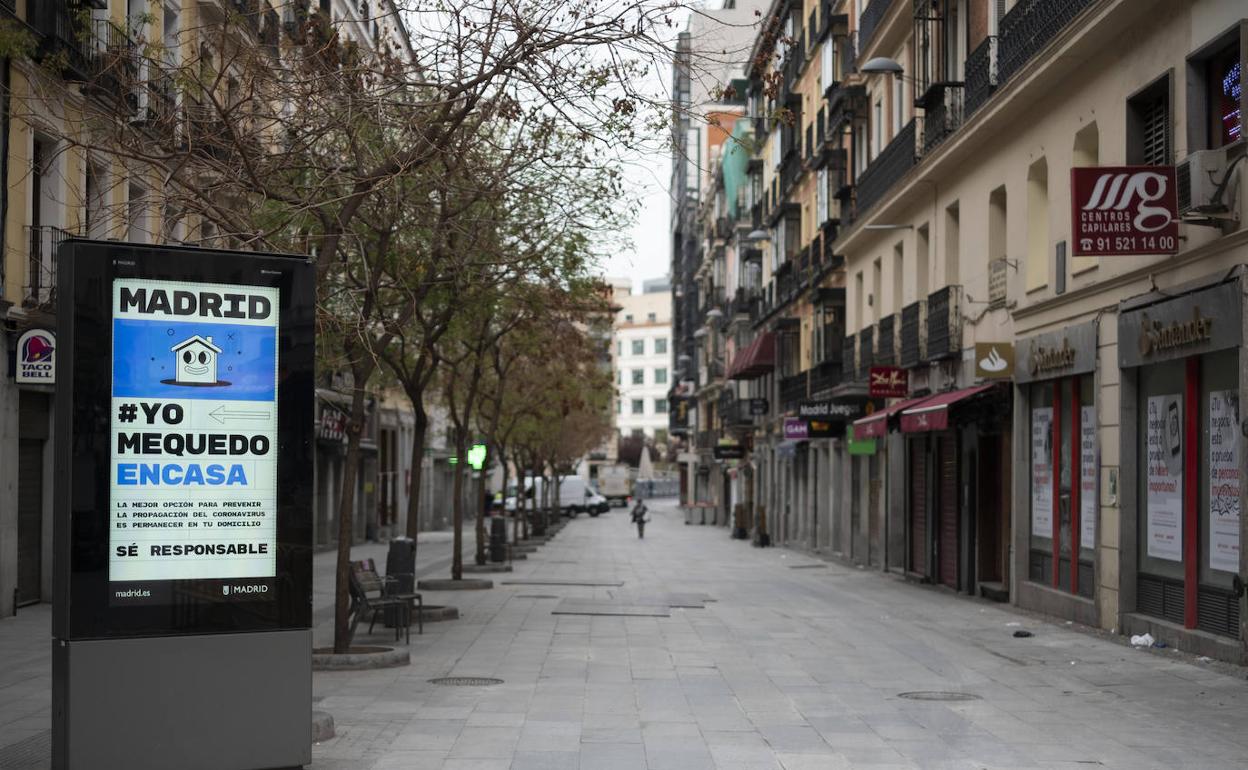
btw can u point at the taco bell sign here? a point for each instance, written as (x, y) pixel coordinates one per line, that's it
(1120, 210)
(36, 358)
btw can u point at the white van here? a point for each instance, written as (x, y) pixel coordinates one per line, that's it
(574, 495)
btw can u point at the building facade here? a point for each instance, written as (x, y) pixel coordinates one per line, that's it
(1061, 433)
(642, 360)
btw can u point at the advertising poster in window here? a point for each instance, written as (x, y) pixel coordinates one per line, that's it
(1087, 477)
(193, 477)
(1042, 471)
(1164, 497)
(1224, 480)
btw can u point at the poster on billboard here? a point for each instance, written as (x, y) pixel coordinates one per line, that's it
(1224, 480)
(1042, 471)
(1123, 210)
(1087, 477)
(1164, 497)
(193, 479)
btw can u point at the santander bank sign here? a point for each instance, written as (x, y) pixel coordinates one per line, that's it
(1119, 210)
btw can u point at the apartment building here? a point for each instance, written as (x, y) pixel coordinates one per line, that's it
(1061, 432)
(86, 72)
(643, 363)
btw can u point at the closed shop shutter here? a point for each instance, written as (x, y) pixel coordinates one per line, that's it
(918, 506)
(947, 452)
(29, 520)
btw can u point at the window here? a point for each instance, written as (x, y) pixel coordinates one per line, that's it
(138, 230)
(1215, 80)
(639, 376)
(660, 406)
(1148, 125)
(619, 377)
(639, 406)
(899, 104)
(619, 348)
(628, 319)
(660, 345)
(1087, 152)
(827, 57)
(953, 246)
(651, 317)
(1037, 268)
(660, 376)
(619, 407)
(877, 125)
(639, 347)
(821, 197)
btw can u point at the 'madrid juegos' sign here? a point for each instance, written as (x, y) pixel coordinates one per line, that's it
(1117, 210)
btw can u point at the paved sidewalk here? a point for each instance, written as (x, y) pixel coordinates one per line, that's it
(790, 668)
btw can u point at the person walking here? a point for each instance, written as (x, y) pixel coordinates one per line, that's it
(639, 518)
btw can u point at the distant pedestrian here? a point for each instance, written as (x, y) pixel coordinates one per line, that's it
(639, 518)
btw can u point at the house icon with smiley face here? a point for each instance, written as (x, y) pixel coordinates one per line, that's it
(196, 361)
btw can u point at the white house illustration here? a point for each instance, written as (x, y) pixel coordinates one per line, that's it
(196, 360)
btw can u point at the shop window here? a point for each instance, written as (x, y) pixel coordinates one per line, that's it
(1063, 482)
(1188, 583)
(1148, 125)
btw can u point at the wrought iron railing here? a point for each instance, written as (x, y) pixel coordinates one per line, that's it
(824, 377)
(40, 287)
(944, 323)
(912, 319)
(942, 116)
(887, 168)
(981, 75)
(872, 15)
(866, 352)
(885, 346)
(849, 354)
(848, 45)
(1028, 27)
(65, 38)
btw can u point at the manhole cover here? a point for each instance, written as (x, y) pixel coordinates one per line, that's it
(536, 596)
(938, 695)
(466, 681)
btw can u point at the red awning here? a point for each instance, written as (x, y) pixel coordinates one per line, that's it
(758, 358)
(875, 425)
(933, 414)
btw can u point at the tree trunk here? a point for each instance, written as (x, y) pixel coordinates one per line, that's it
(457, 507)
(346, 503)
(419, 430)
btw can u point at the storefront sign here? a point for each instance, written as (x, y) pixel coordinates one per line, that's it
(759, 406)
(1072, 350)
(831, 410)
(1088, 504)
(1224, 480)
(822, 428)
(994, 360)
(333, 425)
(1164, 496)
(1042, 471)
(194, 416)
(1119, 210)
(888, 382)
(1191, 324)
(36, 358)
(859, 446)
(728, 452)
(678, 415)
(796, 428)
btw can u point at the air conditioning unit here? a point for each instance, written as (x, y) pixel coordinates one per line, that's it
(1208, 186)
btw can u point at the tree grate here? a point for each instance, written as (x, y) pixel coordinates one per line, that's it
(938, 695)
(466, 681)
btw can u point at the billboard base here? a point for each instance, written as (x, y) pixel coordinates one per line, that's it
(211, 702)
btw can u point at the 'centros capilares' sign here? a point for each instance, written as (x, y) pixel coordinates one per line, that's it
(1117, 210)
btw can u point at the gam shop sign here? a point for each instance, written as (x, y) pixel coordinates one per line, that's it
(1118, 210)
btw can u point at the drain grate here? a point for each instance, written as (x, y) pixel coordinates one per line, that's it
(938, 695)
(536, 596)
(466, 681)
(33, 752)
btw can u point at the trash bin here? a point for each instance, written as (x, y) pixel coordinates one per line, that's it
(498, 539)
(401, 565)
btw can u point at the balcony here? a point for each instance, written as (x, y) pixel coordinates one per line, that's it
(885, 346)
(707, 439)
(981, 75)
(1028, 27)
(825, 377)
(65, 38)
(872, 15)
(942, 114)
(913, 318)
(734, 412)
(849, 355)
(887, 169)
(793, 390)
(40, 287)
(866, 351)
(944, 323)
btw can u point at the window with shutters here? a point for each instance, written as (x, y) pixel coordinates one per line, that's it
(821, 197)
(1149, 125)
(827, 59)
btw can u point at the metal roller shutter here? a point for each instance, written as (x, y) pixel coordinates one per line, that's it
(947, 448)
(918, 506)
(29, 520)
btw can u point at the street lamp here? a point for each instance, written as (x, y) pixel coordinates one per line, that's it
(758, 234)
(714, 314)
(881, 65)
(888, 227)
